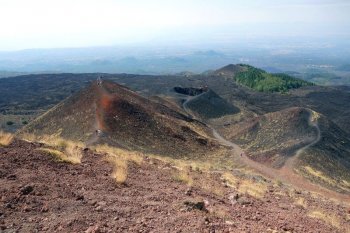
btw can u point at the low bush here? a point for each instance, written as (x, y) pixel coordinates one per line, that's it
(5, 138)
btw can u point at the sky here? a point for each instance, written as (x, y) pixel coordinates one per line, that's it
(26, 24)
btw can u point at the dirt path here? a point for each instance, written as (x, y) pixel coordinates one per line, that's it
(242, 157)
(105, 96)
(191, 98)
(286, 173)
(236, 149)
(289, 164)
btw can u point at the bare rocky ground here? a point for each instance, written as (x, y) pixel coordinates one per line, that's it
(39, 194)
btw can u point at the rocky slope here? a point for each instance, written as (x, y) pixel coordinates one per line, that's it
(85, 198)
(208, 105)
(301, 139)
(273, 137)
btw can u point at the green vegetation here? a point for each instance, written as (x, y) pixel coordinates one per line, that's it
(9, 123)
(262, 81)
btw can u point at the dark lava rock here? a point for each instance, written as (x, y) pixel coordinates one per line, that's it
(12, 177)
(200, 205)
(80, 198)
(26, 189)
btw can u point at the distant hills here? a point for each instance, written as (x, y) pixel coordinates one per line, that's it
(164, 60)
(5, 74)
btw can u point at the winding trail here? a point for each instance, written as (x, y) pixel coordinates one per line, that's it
(191, 98)
(285, 174)
(291, 161)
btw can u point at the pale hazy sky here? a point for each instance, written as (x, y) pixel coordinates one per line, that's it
(78, 23)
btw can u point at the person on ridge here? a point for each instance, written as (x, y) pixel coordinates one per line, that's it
(99, 80)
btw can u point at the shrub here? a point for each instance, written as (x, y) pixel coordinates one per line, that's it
(69, 151)
(301, 202)
(184, 177)
(279, 183)
(120, 168)
(130, 156)
(5, 138)
(119, 159)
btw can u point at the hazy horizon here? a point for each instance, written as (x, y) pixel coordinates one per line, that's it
(91, 23)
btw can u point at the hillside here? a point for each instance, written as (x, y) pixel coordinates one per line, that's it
(298, 138)
(115, 115)
(328, 161)
(260, 80)
(206, 104)
(43, 195)
(273, 137)
(230, 70)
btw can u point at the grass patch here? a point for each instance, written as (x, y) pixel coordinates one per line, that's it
(129, 156)
(319, 174)
(254, 189)
(327, 218)
(193, 173)
(245, 186)
(5, 138)
(119, 159)
(209, 184)
(63, 150)
(28, 137)
(71, 150)
(195, 165)
(120, 168)
(230, 180)
(183, 177)
(301, 202)
(74, 157)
